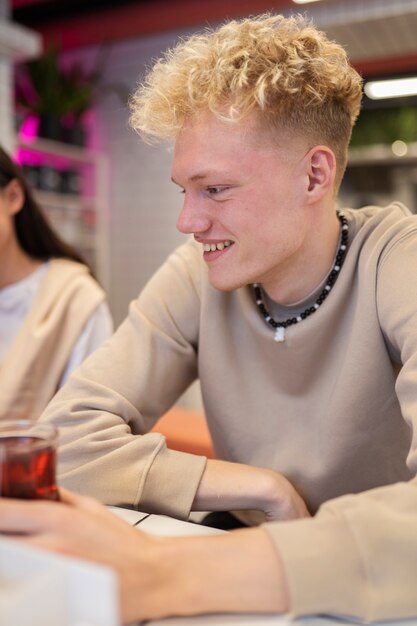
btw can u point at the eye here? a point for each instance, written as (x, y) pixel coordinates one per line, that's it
(214, 191)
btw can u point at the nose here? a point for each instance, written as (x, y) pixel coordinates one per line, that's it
(192, 218)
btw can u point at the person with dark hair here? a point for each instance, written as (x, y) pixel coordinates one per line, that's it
(53, 313)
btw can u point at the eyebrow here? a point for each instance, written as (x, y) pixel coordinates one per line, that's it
(201, 176)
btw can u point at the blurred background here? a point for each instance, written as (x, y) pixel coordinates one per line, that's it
(67, 68)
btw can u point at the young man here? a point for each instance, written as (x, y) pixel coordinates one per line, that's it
(300, 322)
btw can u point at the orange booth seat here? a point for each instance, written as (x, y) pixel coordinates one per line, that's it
(185, 430)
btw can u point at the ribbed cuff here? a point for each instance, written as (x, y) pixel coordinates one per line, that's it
(171, 483)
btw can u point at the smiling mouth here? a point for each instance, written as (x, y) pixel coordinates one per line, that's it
(221, 245)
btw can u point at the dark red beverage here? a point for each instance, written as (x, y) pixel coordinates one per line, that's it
(27, 468)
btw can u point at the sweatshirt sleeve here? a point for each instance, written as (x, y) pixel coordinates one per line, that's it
(357, 557)
(115, 397)
(396, 297)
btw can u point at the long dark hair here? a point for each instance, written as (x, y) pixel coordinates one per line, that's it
(33, 231)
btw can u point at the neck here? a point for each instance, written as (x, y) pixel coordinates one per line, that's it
(332, 276)
(16, 265)
(310, 265)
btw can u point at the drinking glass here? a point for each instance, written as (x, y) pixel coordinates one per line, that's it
(28, 460)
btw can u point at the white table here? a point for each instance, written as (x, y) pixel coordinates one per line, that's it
(161, 525)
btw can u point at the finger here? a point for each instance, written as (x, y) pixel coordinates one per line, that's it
(80, 502)
(35, 516)
(22, 516)
(69, 497)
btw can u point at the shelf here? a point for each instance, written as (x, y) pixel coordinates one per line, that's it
(58, 149)
(18, 42)
(381, 154)
(64, 201)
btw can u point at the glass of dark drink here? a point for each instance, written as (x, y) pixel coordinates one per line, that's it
(28, 460)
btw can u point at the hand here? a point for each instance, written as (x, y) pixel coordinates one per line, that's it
(237, 487)
(81, 527)
(283, 502)
(157, 576)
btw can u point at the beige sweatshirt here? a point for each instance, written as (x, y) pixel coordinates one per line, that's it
(334, 408)
(32, 368)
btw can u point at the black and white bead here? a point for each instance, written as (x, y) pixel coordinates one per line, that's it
(280, 327)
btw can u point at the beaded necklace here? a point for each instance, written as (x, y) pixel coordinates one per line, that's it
(280, 327)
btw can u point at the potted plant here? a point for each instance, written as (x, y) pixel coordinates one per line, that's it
(38, 91)
(60, 95)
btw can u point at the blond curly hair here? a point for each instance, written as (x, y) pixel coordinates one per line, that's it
(282, 67)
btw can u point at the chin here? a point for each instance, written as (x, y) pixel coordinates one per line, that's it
(226, 284)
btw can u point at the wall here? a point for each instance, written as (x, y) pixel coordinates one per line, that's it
(5, 87)
(5, 102)
(4, 8)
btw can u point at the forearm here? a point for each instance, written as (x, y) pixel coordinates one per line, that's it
(231, 486)
(234, 572)
(234, 486)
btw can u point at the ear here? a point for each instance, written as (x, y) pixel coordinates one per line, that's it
(321, 172)
(14, 197)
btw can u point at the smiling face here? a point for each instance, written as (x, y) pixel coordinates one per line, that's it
(246, 201)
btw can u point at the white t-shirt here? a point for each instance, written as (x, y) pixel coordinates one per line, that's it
(15, 303)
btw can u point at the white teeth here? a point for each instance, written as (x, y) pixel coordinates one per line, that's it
(211, 247)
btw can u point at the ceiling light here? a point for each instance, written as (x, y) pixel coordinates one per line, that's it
(396, 88)
(304, 1)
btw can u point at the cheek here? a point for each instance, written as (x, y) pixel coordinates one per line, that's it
(280, 236)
